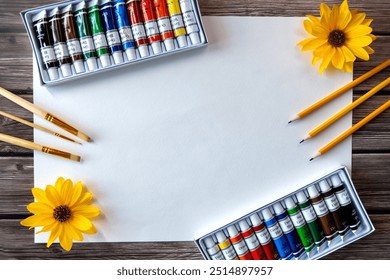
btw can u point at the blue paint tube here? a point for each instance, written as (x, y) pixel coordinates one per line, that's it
(277, 235)
(112, 34)
(123, 24)
(288, 230)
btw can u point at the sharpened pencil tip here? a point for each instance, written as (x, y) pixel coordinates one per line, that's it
(303, 140)
(289, 122)
(311, 159)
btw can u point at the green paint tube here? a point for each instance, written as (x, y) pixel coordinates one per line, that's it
(98, 34)
(300, 224)
(311, 218)
(85, 35)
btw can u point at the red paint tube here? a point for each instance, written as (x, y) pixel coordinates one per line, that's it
(164, 23)
(264, 238)
(239, 244)
(151, 27)
(252, 241)
(137, 26)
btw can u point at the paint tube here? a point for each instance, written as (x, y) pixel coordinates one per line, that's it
(59, 42)
(99, 38)
(190, 21)
(151, 27)
(112, 34)
(177, 22)
(45, 40)
(72, 41)
(137, 26)
(123, 24)
(164, 23)
(85, 35)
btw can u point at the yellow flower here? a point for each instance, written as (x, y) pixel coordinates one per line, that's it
(63, 210)
(340, 35)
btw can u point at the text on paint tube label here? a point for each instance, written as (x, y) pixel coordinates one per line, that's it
(332, 203)
(126, 35)
(164, 24)
(275, 231)
(151, 28)
(229, 253)
(320, 208)
(100, 41)
(138, 31)
(240, 247)
(297, 219)
(61, 50)
(286, 224)
(87, 44)
(190, 22)
(113, 38)
(252, 242)
(177, 22)
(309, 213)
(48, 54)
(74, 47)
(263, 236)
(343, 197)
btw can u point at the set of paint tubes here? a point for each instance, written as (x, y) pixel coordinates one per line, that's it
(307, 224)
(73, 39)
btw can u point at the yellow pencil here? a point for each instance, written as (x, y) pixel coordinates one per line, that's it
(346, 109)
(34, 146)
(33, 125)
(351, 130)
(42, 113)
(343, 89)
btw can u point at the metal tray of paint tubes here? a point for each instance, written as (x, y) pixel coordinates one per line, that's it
(74, 39)
(311, 222)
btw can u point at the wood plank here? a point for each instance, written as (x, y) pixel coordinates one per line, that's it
(17, 242)
(370, 174)
(377, 9)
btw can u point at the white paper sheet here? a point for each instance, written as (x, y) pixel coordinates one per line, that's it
(186, 143)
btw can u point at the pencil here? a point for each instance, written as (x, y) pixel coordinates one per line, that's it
(42, 113)
(33, 125)
(341, 90)
(351, 130)
(34, 146)
(346, 109)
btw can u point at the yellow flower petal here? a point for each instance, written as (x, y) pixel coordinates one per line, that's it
(53, 196)
(85, 198)
(55, 233)
(327, 59)
(359, 52)
(349, 56)
(65, 240)
(308, 25)
(322, 50)
(87, 211)
(348, 66)
(59, 183)
(357, 19)
(77, 191)
(369, 50)
(320, 32)
(40, 196)
(92, 230)
(367, 21)
(66, 191)
(37, 220)
(49, 227)
(39, 207)
(338, 58)
(357, 31)
(334, 15)
(312, 43)
(315, 59)
(344, 17)
(80, 222)
(359, 41)
(73, 233)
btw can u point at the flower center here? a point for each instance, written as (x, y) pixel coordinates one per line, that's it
(62, 213)
(336, 38)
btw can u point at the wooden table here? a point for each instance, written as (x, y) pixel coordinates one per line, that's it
(370, 155)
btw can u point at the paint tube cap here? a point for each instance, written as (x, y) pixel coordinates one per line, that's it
(79, 66)
(105, 60)
(301, 197)
(232, 230)
(221, 237)
(313, 192)
(324, 186)
(266, 214)
(143, 50)
(53, 73)
(92, 64)
(243, 225)
(255, 219)
(209, 242)
(195, 39)
(182, 41)
(290, 204)
(118, 57)
(336, 180)
(169, 44)
(156, 47)
(130, 53)
(278, 208)
(66, 70)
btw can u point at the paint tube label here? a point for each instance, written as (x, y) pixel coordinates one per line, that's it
(297, 219)
(138, 31)
(87, 44)
(100, 41)
(286, 224)
(252, 241)
(309, 214)
(332, 203)
(343, 197)
(125, 34)
(215, 253)
(113, 38)
(320, 208)
(74, 47)
(228, 250)
(218, 256)
(48, 54)
(151, 28)
(190, 22)
(275, 231)
(240, 247)
(61, 50)
(177, 22)
(164, 25)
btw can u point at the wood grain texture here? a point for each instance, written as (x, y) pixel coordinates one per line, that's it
(371, 144)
